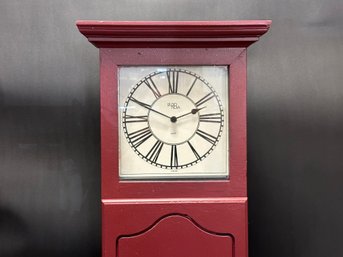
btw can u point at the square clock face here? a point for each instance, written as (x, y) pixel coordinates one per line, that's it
(173, 122)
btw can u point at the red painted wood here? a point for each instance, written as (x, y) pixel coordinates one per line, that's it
(173, 34)
(236, 185)
(221, 216)
(140, 217)
(175, 235)
(236, 60)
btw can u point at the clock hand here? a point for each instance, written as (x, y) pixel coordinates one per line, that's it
(148, 107)
(193, 111)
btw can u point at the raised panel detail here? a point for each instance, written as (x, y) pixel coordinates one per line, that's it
(175, 236)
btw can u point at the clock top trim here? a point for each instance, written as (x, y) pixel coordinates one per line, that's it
(129, 34)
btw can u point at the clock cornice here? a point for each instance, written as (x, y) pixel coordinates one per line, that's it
(180, 34)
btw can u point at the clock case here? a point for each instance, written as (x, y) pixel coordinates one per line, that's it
(173, 218)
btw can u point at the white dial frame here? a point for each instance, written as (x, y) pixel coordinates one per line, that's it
(195, 145)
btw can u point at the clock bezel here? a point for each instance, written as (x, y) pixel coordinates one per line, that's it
(112, 59)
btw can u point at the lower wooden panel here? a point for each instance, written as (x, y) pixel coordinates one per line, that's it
(175, 235)
(175, 227)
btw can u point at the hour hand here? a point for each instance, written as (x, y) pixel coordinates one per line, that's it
(193, 111)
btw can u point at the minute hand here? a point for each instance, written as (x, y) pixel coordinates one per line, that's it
(193, 111)
(148, 107)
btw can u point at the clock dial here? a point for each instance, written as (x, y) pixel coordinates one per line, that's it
(173, 122)
(173, 118)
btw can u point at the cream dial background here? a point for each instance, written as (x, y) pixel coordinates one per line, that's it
(214, 164)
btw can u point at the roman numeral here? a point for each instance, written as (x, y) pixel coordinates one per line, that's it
(132, 118)
(155, 151)
(173, 157)
(150, 84)
(140, 136)
(190, 89)
(206, 98)
(211, 117)
(145, 105)
(197, 156)
(209, 138)
(173, 80)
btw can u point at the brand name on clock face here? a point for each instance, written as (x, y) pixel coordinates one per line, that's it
(173, 106)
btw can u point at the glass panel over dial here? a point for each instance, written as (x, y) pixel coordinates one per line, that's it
(173, 122)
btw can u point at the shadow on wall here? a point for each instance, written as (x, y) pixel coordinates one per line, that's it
(13, 234)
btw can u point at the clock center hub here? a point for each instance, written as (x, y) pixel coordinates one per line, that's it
(182, 122)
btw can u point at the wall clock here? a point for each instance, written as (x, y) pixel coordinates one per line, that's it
(173, 136)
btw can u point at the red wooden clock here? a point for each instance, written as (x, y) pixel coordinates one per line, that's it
(173, 136)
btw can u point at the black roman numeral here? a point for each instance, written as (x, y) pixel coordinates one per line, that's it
(132, 118)
(206, 98)
(150, 84)
(155, 151)
(140, 136)
(173, 80)
(173, 157)
(190, 89)
(209, 138)
(197, 156)
(211, 117)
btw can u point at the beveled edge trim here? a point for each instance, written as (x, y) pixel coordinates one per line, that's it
(238, 200)
(173, 33)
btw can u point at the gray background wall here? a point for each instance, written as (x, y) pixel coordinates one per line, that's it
(49, 123)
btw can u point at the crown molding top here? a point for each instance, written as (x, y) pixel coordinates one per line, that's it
(127, 34)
